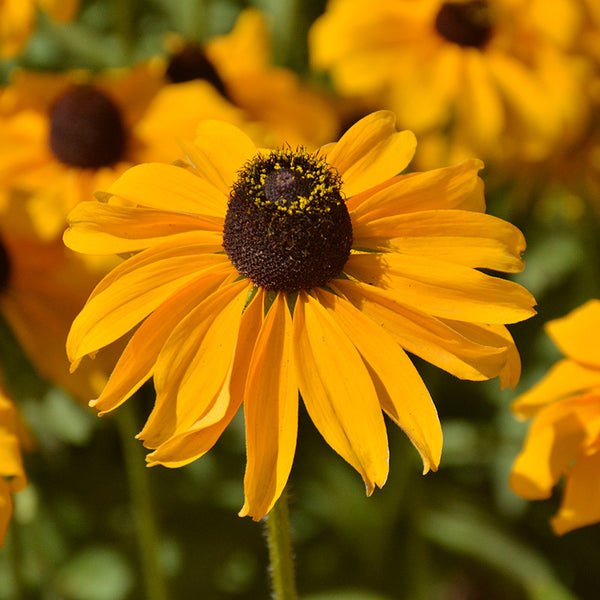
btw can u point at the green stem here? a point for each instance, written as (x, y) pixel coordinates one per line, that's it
(141, 505)
(280, 551)
(13, 549)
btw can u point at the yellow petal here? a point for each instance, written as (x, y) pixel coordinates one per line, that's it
(443, 289)
(424, 335)
(136, 363)
(135, 288)
(580, 504)
(456, 187)
(99, 228)
(338, 392)
(371, 151)
(467, 238)
(480, 108)
(59, 10)
(493, 336)
(168, 187)
(271, 412)
(558, 436)
(565, 378)
(572, 333)
(219, 152)
(192, 444)
(400, 389)
(193, 363)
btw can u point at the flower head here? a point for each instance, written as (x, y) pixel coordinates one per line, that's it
(489, 78)
(257, 274)
(564, 437)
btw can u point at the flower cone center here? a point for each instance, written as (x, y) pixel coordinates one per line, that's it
(467, 24)
(287, 226)
(86, 129)
(191, 63)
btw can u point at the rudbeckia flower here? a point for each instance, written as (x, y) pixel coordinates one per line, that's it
(257, 274)
(12, 474)
(17, 20)
(63, 136)
(495, 76)
(295, 112)
(564, 438)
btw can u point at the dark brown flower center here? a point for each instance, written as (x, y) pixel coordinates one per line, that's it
(191, 63)
(86, 129)
(467, 24)
(5, 268)
(287, 226)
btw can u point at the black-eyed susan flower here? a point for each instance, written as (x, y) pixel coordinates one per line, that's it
(487, 78)
(564, 437)
(257, 274)
(65, 135)
(12, 473)
(17, 20)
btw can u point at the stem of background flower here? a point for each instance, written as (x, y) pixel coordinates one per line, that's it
(12, 548)
(141, 505)
(280, 551)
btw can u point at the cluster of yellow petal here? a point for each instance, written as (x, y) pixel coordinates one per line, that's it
(510, 86)
(564, 437)
(213, 341)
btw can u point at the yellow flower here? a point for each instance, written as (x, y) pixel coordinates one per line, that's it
(564, 437)
(257, 274)
(12, 474)
(294, 112)
(17, 20)
(494, 76)
(65, 136)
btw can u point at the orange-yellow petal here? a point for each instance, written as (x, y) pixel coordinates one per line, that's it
(168, 187)
(572, 333)
(565, 378)
(135, 288)
(557, 437)
(99, 228)
(200, 437)
(471, 239)
(338, 392)
(456, 187)
(193, 363)
(580, 504)
(219, 152)
(271, 412)
(402, 393)
(421, 334)
(443, 289)
(371, 151)
(137, 361)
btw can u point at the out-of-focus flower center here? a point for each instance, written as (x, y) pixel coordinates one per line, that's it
(191, 63)
(467, 24)
(287, 226)
(5, 268)
(86, 129)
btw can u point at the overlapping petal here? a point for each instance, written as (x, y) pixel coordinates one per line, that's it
(443, 289)
(344, 407)
(371, 151)
(271, 411)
